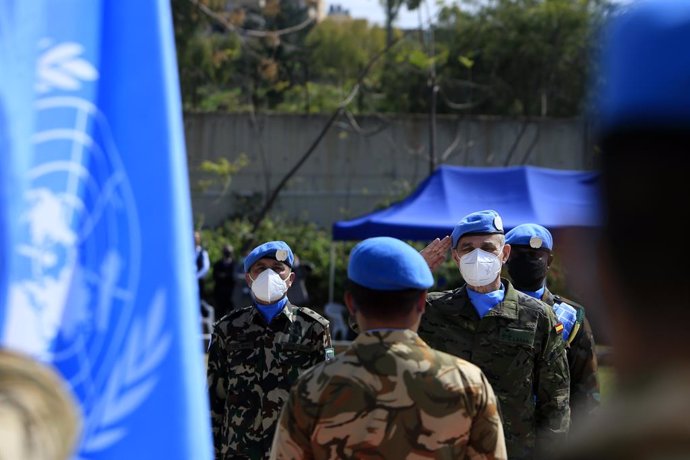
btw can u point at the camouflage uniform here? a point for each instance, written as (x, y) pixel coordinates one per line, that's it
(518, 347)
(390, 396)
(582, 360)
(251, 367)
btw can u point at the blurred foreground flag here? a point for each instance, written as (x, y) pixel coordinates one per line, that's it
(96, 220)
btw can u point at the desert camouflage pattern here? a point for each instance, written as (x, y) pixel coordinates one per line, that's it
(251, 367)
(582, 361)
(390, 396)
(517, 347)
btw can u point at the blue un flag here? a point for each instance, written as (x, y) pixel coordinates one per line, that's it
(96, 221)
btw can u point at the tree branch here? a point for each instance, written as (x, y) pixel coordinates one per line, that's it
(341, 108)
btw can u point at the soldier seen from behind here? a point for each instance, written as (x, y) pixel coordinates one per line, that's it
(389, 395)
(256, 354)
(531, 247)
(514, 338)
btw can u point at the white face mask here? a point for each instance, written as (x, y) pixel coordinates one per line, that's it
(268, 286)
(479, 268)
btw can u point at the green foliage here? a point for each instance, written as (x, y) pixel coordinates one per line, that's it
(531, 55)
(339, 50)
(220, 172)
(311, 98)
(508, 57)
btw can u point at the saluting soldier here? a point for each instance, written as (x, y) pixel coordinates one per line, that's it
(531, 255)
(389, 395)
(256, 354)
(514, 338)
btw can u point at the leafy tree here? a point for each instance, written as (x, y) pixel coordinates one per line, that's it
(530, 57)
(339, 50)
(391, 9)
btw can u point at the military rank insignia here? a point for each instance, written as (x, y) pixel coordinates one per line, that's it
(330, 353)
(558, 328)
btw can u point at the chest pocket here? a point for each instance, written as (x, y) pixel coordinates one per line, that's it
(295, 358)
(518, 349)
(242, 357)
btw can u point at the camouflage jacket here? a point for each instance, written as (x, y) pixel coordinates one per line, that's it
(521, 352)
(251, 367)
(582, 360)
(390, 396)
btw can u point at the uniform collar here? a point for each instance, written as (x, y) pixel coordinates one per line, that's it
(386, 336)
(288, 313)
(509, 307)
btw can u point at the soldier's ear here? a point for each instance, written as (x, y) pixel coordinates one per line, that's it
(506, 252)
(350, 303)
(421, 303)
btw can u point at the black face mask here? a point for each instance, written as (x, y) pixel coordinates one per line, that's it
(528, 273)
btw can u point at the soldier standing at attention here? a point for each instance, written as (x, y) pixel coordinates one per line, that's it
(389, 395)
(531, 247)
(256, 354)
(515, 339)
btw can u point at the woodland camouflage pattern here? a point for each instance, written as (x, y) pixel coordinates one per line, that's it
(521, 354)
(251, 367)
(390, 396)
(582, 360)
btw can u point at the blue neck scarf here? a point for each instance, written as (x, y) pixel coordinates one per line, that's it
(272, 309)
(485, 302)
(536, 294)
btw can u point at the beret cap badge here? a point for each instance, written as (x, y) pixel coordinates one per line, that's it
(498, 223)
(535, 242)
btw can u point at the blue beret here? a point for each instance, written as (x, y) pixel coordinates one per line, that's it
(532, 235)
(478, 223)
(278, 250)
(645, 66)
(388, 264)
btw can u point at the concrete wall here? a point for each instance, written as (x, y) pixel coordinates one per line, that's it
(360, 165)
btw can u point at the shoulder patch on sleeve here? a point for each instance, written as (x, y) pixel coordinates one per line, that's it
(572, 303)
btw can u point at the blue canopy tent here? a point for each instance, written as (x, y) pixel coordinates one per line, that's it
(551, 197)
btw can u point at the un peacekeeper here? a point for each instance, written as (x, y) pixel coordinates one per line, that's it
(389, 395)
(256, 354)
(636, 279)
(511, 336)
(531, 247)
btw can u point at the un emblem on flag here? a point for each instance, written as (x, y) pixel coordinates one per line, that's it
(73, 298)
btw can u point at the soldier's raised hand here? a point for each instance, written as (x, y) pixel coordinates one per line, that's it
(435, 252)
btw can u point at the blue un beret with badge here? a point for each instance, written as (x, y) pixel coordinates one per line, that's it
(388, 264)
(278, 250)
(478, 223)
(646, 66)
(533, 235)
